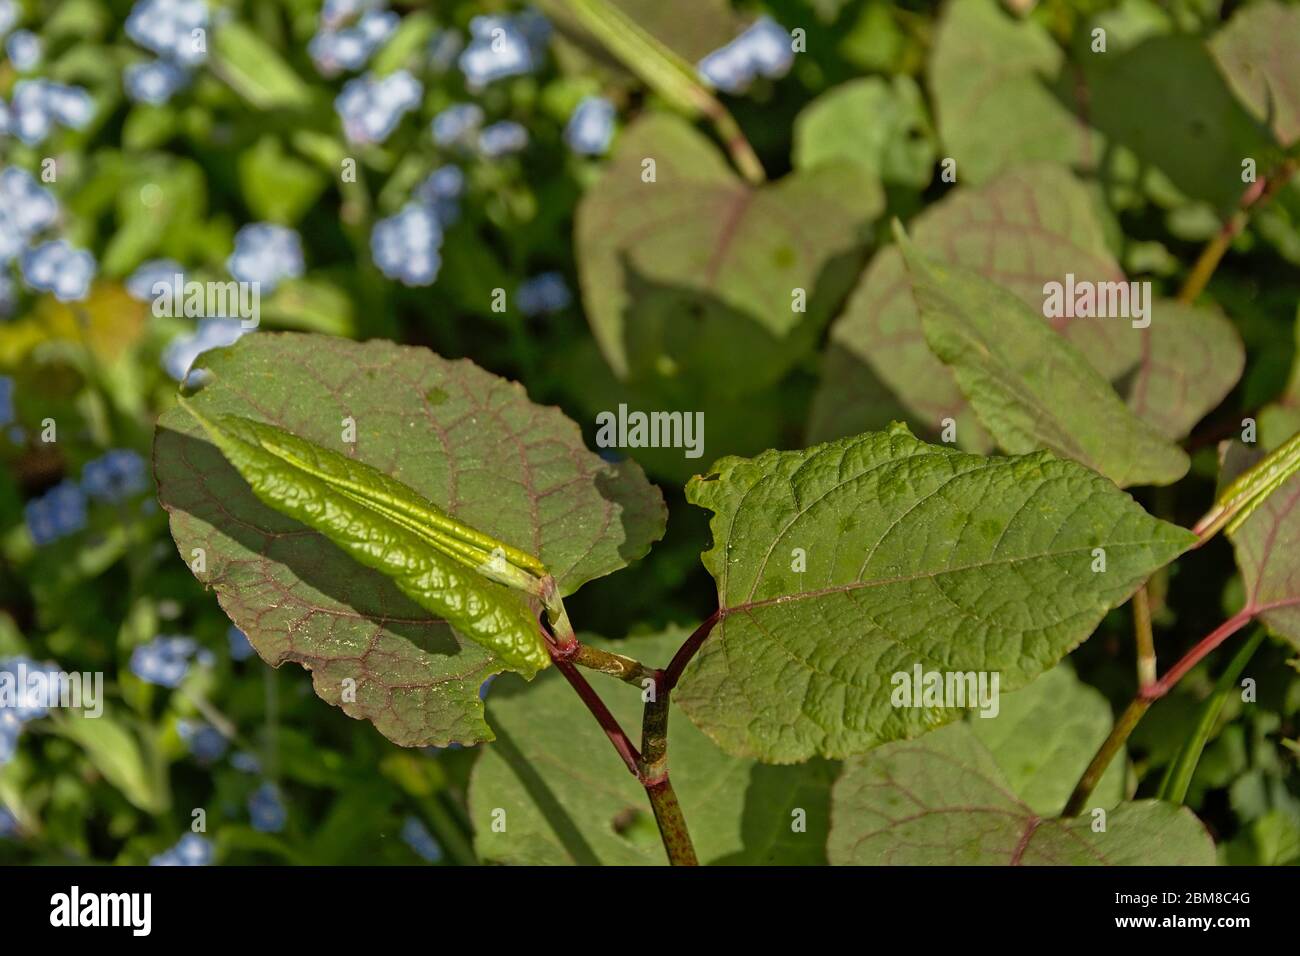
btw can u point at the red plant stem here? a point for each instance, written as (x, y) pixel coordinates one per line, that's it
(673, 672)
(1146, 696)
(1193, 657)
(652, 771)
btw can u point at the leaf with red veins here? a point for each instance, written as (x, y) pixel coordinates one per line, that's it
(467, 441)
(690, 273)
(1030, 226)
(944, 800)
(1267, 545)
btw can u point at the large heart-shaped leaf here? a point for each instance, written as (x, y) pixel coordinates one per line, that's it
(944, 800)
(845, 564)
(568, 798)
(467, 441)
(1259, 52)
(1030, 387)
(1027, 227)
(696, 274)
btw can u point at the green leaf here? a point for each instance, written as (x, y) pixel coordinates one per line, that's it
(1280, 419)
(160, 207)
(1267, 545)
(1190, 358)
(881, 125)
(404, 46)
(998, 99)
(568, 798)
(1166, 101)
(695, 274)
(148, 127)
(1259, 53)
(254, 70)
(310, 305)
(276, 185)
(912, 555)
(690, 28)
(1031, 388)
(944, 800)
(1253, 485)
(466, 441)
(1045, 735)
(1028, 227)
(434, 560)
(126, 762)
(731, 427)
(851, 399)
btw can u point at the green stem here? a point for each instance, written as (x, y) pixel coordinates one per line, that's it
(653, 773)
(1213, 253)
(1179, 775)
(1112, 745)
(1146, 696)
(672, 825)
(1146, 647)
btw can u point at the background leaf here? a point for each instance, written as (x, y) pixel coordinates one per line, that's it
(997, 94)
(1043, 738)
(1280, 419)
(1030, 387)
(1165, 100)
(1170, 373)
(944, 800)
(694, 274)
(1267, 545)
(1005, 231)
(881, 125)
(1259, 53)
(255, 71)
